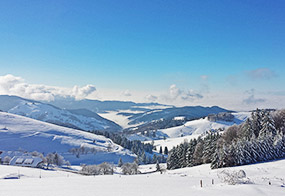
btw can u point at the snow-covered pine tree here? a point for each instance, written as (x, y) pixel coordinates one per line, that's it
(278, 145)
(229, 156)
(268, 127)
(198, 153)
(210, 142)
(217, 161)
(190, 152)
(240, 158)
(180, 154)
(183, 160)
(256, 122)
(172, 159)
(246, 130)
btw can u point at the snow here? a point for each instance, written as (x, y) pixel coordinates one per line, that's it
(200, 126)
(171, 183)
(192, 129)
(179, 118)
(49, 113)
(17, 132)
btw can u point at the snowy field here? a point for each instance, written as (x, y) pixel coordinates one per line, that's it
(184, 181)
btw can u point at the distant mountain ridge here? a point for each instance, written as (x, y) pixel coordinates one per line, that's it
(169, 117)
(102, 106)
(189, 112)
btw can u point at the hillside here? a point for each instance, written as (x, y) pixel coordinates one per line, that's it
(78, 119)
(189, 112)
(193, 129)
(17, 132)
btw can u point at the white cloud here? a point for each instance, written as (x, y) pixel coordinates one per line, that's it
(251, 100)
(13, 85)
(204, 77)
(127, 93)
(83, 92)
(177, 94)
(151, 98)
(261, 74)
(230, 99)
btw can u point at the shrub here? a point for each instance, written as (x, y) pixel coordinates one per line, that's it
(130, 168)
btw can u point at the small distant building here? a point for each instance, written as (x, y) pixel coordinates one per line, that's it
(27, 161)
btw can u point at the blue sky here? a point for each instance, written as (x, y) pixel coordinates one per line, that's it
(143, 47)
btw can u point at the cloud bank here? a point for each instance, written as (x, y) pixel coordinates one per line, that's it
(13, 85)
(173, 95)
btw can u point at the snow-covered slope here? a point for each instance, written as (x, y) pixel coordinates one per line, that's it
(198, 127)
(79, 119)
(17, 132)
(172, 183)
(193, 129)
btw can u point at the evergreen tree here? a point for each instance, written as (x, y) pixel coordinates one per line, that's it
(255, 140)
(165, 150)
(198, 153)
(246, 130)
(120, 163)
(268, 127)
(157, 166)
(256, 122)
(190, 152)
(154, 158)
(160, 149)
(172, 160)
(144, 159)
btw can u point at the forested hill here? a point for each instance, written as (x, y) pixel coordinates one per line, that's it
(260, 138)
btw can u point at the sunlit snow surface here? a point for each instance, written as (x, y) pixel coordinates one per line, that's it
(17, 132)
(178, 182)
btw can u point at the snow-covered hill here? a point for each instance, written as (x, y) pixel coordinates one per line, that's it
(188, 112)
(158, 117)
(18, 132)
(193, 129)
(171, 183)
(201, 126)
(79, 119)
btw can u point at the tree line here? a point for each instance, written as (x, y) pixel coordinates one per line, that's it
(144, 151)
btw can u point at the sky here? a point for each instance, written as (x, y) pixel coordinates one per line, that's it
(226, 53)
